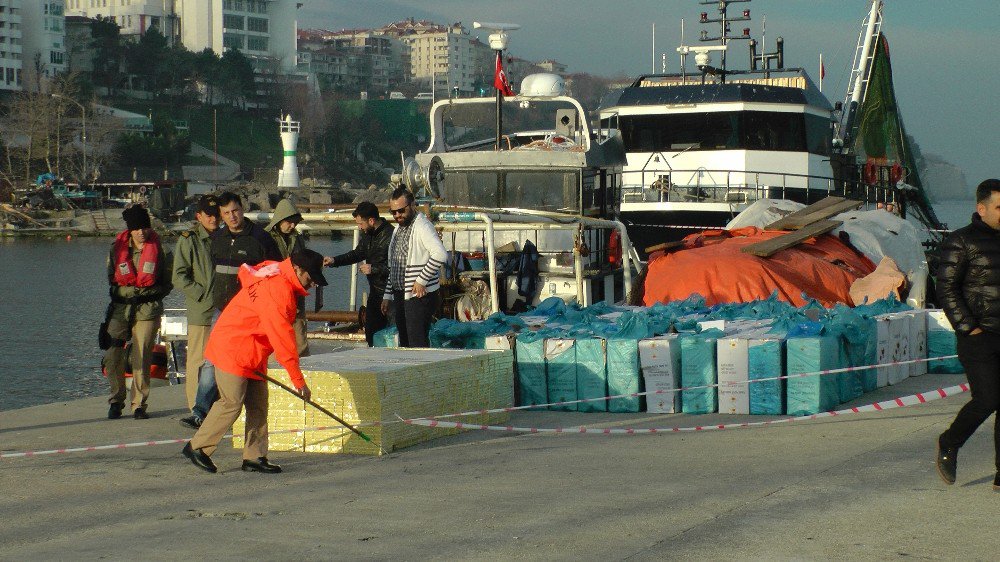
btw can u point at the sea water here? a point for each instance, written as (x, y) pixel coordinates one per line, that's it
(53, 296)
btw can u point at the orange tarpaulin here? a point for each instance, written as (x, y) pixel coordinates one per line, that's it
(712, 265)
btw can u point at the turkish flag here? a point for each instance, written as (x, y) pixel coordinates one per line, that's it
(500, 79)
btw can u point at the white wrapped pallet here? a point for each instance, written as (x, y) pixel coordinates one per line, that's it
(660, 361)
(733, 363)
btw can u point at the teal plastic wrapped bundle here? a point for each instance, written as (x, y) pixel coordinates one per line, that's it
(623, 374)
(698, 368)
(386, 337)
(817, 393)
(560, 372)
(941, 343)
(591, 374)
(766, 360)
(530, 353)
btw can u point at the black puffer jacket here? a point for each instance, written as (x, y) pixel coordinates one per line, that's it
(968, 277)
(374, 249)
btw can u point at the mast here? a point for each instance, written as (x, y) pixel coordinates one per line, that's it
(863, 56)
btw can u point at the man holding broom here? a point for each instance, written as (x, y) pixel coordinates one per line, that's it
(256, 322)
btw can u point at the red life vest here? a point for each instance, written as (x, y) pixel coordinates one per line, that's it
(125, 271)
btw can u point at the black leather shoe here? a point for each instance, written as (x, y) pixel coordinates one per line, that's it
(192, 421)
(996, 482)
(140, 414)
(260, 465)
(115, 411)
(200, 459)
(947, 463)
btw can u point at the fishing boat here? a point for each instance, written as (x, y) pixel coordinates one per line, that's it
(703, 146)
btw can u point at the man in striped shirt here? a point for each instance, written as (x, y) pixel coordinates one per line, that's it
(416, 255)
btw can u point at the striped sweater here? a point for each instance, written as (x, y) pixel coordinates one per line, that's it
(425, 254)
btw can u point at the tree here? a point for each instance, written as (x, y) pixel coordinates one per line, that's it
(146, 59)
(109, 54)
(236, 78)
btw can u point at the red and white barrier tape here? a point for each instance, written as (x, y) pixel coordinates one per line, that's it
(433, 421)
(900, 402)
(679, 389)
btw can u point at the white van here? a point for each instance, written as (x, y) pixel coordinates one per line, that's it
(396, 96)
(424, 96)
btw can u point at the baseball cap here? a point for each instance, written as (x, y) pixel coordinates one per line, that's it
(209, 204)
(312, 262)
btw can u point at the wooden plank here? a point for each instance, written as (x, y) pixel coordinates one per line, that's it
(664, 246)
(796, 222)
(821, 204)
(768, 248)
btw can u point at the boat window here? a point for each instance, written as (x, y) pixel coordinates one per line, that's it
(726, 130)
(545, 191)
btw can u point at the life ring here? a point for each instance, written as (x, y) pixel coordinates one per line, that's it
(614, 248)
(896, 173)
(871, 172)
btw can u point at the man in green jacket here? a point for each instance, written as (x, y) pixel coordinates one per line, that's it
(194, 273)
(282, 229)
(139, 276)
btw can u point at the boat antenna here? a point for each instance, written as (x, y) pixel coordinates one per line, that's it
(498, 42)
(724, 37)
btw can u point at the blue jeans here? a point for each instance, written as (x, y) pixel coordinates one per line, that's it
(208, 392)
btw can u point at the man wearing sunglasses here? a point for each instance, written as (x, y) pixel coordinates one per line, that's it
(416, 255)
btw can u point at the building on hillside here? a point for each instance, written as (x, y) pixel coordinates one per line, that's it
(444, 57)
(550, 65)
(11, 53)
(263, 30)
(44, 37)
(79, 48)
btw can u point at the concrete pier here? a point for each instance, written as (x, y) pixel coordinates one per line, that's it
(852, 487)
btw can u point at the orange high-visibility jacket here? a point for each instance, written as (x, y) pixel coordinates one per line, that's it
(258, 322)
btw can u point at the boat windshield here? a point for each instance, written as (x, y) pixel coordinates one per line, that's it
(555, 190)
(473, 126)
(727, 130)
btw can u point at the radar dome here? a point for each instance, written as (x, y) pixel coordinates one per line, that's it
(543, 85)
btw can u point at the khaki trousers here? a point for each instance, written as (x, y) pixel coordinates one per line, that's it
(235, 392)
(142, 333)
(197, 337)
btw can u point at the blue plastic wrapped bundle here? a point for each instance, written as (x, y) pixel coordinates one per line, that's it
(591, 374)
(817, 393)
(698, 368)
(855, 333)
(766, 360)
(623, 374)
(386, 337)
(560, 372)
(941, 343)
(530, 354)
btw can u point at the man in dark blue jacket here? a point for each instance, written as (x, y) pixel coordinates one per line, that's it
(373, 250)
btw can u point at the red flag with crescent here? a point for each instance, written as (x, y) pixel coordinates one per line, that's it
(500, 78)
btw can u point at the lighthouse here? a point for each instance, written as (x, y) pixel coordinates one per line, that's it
(288, 176)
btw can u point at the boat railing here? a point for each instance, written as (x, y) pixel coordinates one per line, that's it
(742, 187)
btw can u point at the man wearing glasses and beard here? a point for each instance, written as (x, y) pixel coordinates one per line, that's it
(416, 255)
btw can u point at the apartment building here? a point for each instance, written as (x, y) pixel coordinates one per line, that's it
(43, 39)
(445, 54)
(263, 30)
(10, 45)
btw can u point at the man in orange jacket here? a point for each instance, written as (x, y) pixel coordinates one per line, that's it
(255, 323)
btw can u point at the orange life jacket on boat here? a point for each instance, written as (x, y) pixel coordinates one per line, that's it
(126, 274)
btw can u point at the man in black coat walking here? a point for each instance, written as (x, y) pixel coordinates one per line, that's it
(968, 286)
(373, 250)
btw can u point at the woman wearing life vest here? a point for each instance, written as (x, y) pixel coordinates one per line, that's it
(139, 275)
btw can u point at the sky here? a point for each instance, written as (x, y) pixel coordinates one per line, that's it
(944, 54)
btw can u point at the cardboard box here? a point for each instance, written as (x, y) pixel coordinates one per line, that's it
(560, 372)
(918, 341)
(623, 375)
(660, 361)
(938, 320)
(889, 330)
(733, 364)
(698, 368)
(815, 393)
(365, 385)
(591, 374)
(899, 329)
(766, 360)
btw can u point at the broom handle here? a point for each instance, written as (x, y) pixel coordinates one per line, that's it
(318, 407)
